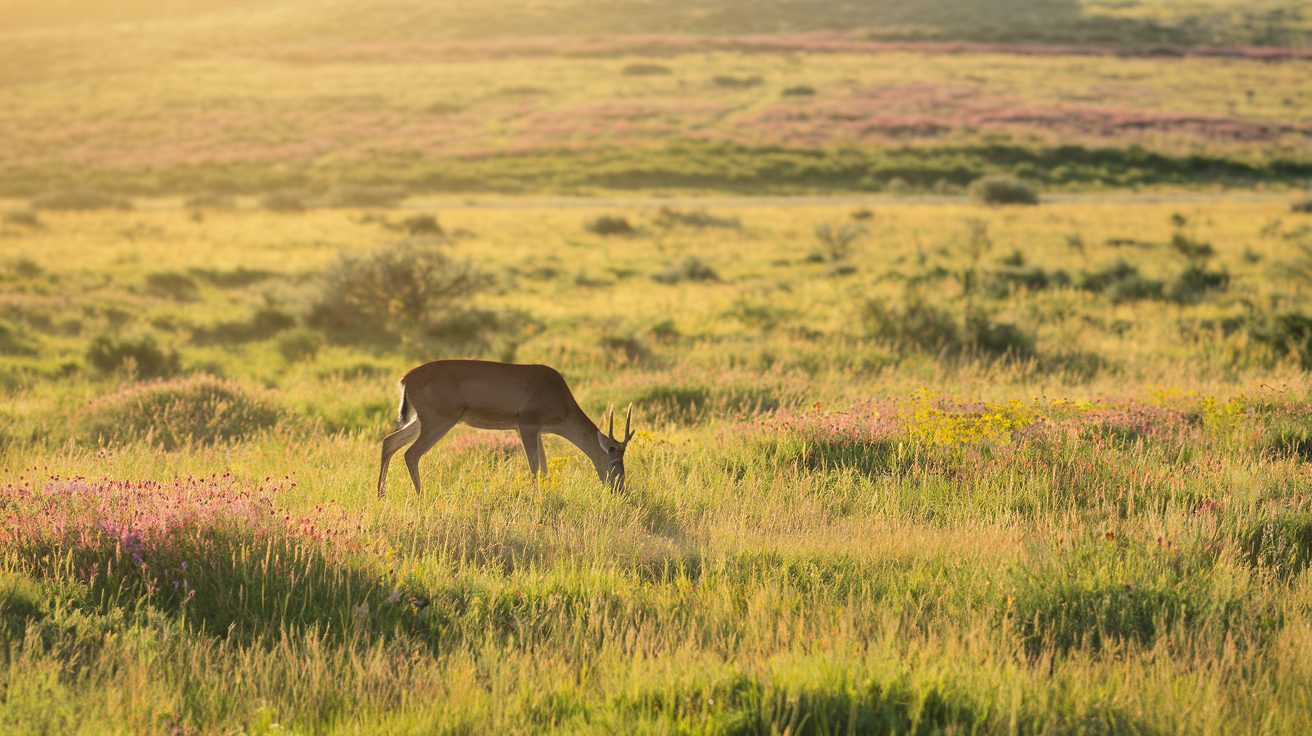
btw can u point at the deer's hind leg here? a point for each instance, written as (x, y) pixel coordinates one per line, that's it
(391, 443)
(431, 429)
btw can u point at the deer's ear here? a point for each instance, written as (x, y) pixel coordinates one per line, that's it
(601, 440)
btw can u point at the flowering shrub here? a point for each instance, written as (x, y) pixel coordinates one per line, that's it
(169, 414)
(218, 551)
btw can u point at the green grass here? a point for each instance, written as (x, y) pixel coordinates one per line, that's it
(827, 529)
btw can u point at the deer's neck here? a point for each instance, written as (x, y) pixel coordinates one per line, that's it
(582, 433)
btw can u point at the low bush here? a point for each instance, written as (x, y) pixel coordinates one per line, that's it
(731, 82)
(609, 225)
(284, 201)
(645, 69)
(23, 218)
(420, 225)
(265, 322)
(210, 201)
(691, 268)
(398, 291)
(172, 413)
(801, 90)
(80, 200)
(1121, 282)
(141, 357)
(1003, 190)
(474, 330)
(300, 344)
(837, 242)
(365, 196)
(1286, 334)
(1303, 205)
(14, 341)
(669, 217)
(1195, 283)
(923, 327)
(172, 285)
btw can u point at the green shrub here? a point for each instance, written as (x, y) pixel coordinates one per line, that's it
(173, 413)
(23, 218)
(669, 217)
(1303, 205)
(801, 90)
(210, 201)
(731, 82)
(609, 225)
(141, 357)
(80, 199)
(14, 341)
(397, 291)
(365, 196)
(1288, 333)
(691, 268)
(300, 344)
(419, 225)
(645, 69)
(923, 327)
(1003, 190)
(1121, 282)
(265, 322)
(1195, 283)
(283, 201)
(837, 242)
(172, 285)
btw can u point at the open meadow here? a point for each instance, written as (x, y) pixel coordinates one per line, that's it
(915, 453)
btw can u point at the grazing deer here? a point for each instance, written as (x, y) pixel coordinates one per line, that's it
(530, 398)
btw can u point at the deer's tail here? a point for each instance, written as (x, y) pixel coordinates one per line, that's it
(405, 411)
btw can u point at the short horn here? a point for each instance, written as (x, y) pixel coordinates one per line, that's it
(628, 419)
(611, 411)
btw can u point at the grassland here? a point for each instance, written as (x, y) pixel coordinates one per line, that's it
(906, 463)
(1059, 501)
(261, 101)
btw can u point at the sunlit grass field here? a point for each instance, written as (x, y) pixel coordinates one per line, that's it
(965, 469)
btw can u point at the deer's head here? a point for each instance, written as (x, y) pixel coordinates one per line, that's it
(614, 449)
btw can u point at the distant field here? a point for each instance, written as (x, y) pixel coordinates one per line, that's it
(254, 102)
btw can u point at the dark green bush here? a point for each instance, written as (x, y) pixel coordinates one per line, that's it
(210, 201)
(283, 201)
(1121, 282)
(418, 225)
(1288, 333)
(173, 413)
(172, 285)
(642, 69)
(264, 322)
(731, 82)
(670, 217)
(800, 90)
(691, 268)
(609, 225)
(300, 344)
(23, 218)
(80, 199)
(365, 196)
(1196, 282)
(397, 291)
(141, 357)
(923, 327)
(1003, 190)
(1303, 205)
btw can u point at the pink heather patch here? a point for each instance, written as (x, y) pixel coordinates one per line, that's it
(157, 531)
(504, 443)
